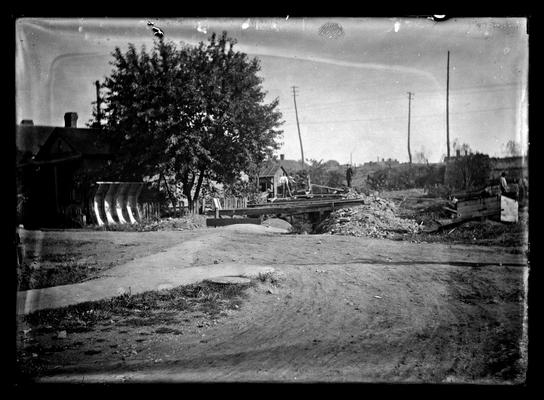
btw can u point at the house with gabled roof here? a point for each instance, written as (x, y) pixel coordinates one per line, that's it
(270, 174)
(49, 160)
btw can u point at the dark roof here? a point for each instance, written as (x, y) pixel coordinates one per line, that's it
(29, 138)
(84, 141)
(291, 165)
(270, 167)
(270, 170)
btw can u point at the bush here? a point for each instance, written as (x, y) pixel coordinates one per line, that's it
(468, 172)
(405, 176)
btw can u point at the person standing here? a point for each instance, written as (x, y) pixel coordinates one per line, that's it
(505, 191)
(503, 184)
(349, 174)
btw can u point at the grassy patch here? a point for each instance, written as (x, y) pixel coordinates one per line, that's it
(268, 277)
(145, 309)
(483, 233)
(167, 310)
(65, 273)
(165, 329)
(187, 222)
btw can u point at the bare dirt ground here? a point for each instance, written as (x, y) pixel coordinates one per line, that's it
(337, 308)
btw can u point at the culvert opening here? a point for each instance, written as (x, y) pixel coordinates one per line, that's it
(307, 223)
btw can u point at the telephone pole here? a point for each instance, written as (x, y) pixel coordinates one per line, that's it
(410, 94)
(98, 115)
(448, 105)
(298, 127)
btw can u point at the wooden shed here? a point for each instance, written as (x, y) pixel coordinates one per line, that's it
(269, 179)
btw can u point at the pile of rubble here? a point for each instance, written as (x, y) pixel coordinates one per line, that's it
(175, 224)
(352, 194)
(375, 218)
(188, 222)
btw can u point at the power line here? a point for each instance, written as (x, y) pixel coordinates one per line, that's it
(357, 100)
(413, 117)
(352, 84)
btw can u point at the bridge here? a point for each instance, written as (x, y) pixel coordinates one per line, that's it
(288, 207)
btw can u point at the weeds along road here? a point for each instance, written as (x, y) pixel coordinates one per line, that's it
(342, 309)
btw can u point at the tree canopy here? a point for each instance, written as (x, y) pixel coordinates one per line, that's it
(512, 149)
(191, 114)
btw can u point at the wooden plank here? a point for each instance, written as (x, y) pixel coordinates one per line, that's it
(231, 221)
(475, 202)
(310, 202)
(479, 213)
(292, 209)
(509, 209)
(328, 187)
(460, 220)
(298, 200)
(477, 209)
(475, 205)
(489, 200)
(495, 204)
(450, 210)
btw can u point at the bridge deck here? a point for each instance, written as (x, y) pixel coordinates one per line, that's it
(295, 207)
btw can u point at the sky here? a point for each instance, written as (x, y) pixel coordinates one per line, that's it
(352, 76)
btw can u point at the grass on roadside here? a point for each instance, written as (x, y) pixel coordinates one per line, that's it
(270, 277)
(63, 273)
(148, 308)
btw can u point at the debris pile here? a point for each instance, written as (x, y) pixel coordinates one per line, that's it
(375, 218)
(188, 222)
(352, 194)
(174, 224)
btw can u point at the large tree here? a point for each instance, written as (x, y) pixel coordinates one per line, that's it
(191, 114)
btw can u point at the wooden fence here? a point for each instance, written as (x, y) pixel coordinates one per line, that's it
(226, 203)
(197, 207)
(150, 211)
(233, 202)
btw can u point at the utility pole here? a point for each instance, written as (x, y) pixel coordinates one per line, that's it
(410, 94)
(98, 115)
(448, 105)
(298, 127)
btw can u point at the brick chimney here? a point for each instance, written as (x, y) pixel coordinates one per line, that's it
(70, 120)
(282, 156)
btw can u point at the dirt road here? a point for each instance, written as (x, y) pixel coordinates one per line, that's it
(343, 309)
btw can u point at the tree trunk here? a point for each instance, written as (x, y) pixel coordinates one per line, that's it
(199, 184)
(170, 195)
(187, 193)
